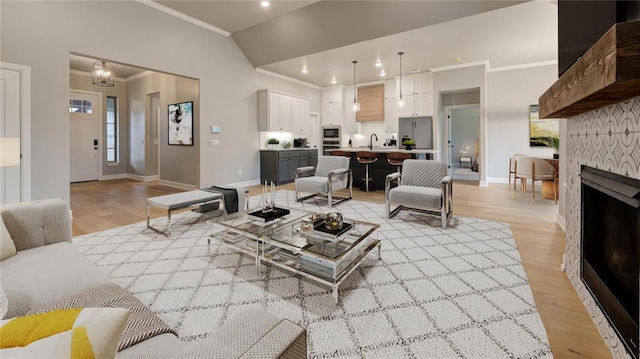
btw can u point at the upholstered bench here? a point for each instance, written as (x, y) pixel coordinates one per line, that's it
(176, 201)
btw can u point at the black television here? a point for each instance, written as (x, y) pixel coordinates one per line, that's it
(582, 23)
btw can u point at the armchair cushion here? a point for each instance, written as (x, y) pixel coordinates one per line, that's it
(319, 184)
(416, 196)
(423, 173)
(327, 164)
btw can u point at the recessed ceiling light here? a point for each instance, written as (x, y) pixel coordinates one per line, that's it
(265, 3)
(304, 70)
(456, 59)
(378, 63)
(382, 73)
(333, 81)
(415, 70)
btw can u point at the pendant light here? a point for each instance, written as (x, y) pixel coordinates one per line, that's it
(400, 100)
(356, 105)
(103, 74)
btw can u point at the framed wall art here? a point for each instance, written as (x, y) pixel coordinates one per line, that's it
(181, 123)
(540, 130)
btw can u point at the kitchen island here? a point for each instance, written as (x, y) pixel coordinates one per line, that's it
(379, 170)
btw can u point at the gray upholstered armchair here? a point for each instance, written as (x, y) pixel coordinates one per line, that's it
(425, 187)
(332, 173)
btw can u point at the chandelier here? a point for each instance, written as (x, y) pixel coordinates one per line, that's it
(103, 74)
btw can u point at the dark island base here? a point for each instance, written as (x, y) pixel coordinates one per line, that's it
(378, 171)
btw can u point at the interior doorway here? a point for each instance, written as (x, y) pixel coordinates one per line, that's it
(463, 123)
(15, 123)
(85, 111)
(153, 111)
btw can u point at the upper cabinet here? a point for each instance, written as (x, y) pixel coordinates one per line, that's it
(300, 121)
(333, 106)
(282, 112)
(417, 92)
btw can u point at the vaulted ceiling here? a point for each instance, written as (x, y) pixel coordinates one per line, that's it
(326, 36)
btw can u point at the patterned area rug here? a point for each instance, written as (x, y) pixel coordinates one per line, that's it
(459, 292)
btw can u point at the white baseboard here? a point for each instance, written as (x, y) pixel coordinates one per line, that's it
(497, 180)
(483, 184)
(562, 223)
(250, 183)
(114, 177)
(142, 178)
(178, 185)
(562, 266)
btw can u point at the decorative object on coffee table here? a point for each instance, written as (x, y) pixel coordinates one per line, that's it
(333, 221)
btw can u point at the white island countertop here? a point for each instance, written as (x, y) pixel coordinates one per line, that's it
(385, 150)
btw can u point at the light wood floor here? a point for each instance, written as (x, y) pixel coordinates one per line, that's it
(98, 206)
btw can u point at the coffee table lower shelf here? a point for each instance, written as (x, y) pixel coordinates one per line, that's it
(261, 256)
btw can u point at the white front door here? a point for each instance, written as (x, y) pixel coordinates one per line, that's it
(84, 115)
(10, 126)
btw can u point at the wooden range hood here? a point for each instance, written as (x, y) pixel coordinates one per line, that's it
(608, 73)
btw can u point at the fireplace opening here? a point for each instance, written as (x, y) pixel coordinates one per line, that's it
(610, 250)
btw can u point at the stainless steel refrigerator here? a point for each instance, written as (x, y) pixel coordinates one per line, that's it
(419, 129)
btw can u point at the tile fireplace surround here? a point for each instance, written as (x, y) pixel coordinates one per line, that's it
(607, 138)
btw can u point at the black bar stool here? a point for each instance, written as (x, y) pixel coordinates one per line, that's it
(366, 158)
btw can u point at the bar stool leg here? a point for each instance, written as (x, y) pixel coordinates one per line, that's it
(366, 177)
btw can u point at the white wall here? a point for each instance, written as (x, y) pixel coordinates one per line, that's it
(41, 35)
(509, 95)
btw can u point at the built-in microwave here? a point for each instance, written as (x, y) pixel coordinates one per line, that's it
(330, 133)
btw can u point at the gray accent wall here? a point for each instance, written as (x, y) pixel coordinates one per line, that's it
(147, 38)
(84, 83)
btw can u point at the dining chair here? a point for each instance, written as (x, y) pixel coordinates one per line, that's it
(533, 169)
(512, 168)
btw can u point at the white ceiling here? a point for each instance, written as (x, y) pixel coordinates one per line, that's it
(84, 64)
(514, 35)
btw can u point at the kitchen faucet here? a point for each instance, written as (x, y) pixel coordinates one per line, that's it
(371, 140)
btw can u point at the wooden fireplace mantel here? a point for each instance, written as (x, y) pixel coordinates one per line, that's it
(608, 73)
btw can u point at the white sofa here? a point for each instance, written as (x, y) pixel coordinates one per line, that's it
(48, 268)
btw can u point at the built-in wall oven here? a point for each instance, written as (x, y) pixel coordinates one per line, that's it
(330, 139)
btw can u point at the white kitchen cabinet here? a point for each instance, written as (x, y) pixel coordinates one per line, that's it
(391, 115)
(300, 122)
(275, 111)
(332, 114)
(416, 85)
(389, 90)
(416, 106)
(333, 106)
(332, 94)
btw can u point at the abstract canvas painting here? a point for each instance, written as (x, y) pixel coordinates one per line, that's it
(541, 129)
(181, 123)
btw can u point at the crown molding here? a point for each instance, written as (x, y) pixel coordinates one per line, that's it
(523, 66)
(460, 66)
(139, 76)
(287, 78)
(184, 17)
(85, 73)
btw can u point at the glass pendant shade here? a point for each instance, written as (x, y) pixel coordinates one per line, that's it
(356, 105)
(103, 74)
(401, 101)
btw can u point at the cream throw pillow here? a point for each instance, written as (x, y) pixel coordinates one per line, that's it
(68, 333)
(7, 247)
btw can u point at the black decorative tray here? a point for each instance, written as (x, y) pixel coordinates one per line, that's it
(319, 228)
(268, 216)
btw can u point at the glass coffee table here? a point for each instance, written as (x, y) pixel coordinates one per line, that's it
(291, 243)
